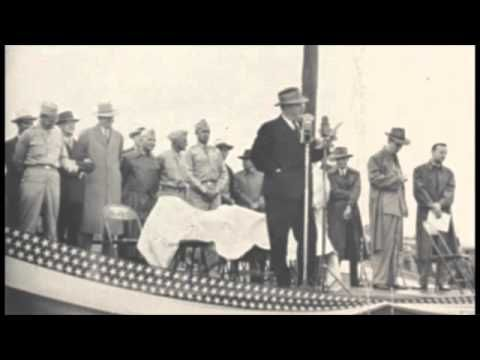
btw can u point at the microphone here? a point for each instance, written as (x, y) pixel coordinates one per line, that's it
(307, 128)
(325, 130)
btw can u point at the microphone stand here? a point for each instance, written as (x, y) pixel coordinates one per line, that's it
(306, 210)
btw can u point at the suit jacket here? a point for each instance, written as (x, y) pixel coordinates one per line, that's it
(387, 193)
(278, 153)
(71, 186)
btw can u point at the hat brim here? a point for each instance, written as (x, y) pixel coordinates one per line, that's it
(65, 121)
(24, 118)
(229, 147)
(108, 115)
(397, 140)
(338, 157)
(302, 100)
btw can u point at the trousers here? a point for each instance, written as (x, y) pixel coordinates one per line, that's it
(283, 215)
(40, 196)
(387, 260)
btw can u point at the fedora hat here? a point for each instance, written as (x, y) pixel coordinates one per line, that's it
(23, 117)
(340, 153)
(291, 96)
(105, 109)
(66, 116)
(222, 143)
(398, 136)
(247, 154)
(49, 109)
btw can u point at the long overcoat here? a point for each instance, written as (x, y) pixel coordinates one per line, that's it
(345, 190)
(433, 185)
(103, 185)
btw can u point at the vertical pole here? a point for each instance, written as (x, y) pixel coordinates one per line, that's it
(309, 89)
(306, 208)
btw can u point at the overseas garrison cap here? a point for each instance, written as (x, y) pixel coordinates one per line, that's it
(136, 132)
(202, 125)
(174, 135)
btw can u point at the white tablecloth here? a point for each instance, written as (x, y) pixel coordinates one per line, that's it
(234, 230)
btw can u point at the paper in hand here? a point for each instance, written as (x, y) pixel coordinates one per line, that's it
(433, 224)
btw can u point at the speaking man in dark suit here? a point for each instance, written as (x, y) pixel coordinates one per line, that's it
(278, 153)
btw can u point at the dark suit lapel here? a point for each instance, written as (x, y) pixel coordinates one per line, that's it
(292, 133)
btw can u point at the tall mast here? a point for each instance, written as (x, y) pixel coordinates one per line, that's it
(310, 77)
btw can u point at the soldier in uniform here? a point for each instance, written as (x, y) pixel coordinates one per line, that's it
(135, 136)
(140, 176)
(39, 153)
(206, 170)
(13, 177)
(173, 173)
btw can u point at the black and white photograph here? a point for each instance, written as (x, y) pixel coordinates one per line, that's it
(239, 179)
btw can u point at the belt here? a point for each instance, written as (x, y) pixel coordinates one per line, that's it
(168, 186)
(43, 166)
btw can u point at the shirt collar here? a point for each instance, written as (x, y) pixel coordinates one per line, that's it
(343, 171)
(288, 121)
(435, 166)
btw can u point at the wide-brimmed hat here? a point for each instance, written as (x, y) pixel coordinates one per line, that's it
(291, 96)
(398, 136)
(23, 117)
(105, 109)
(223, 143)
(66, 116)
(136, 132)
(247, 154)
(49, 109)
(340, 152)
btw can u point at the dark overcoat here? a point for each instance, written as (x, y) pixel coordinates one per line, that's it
(344, 190)
(433, 184)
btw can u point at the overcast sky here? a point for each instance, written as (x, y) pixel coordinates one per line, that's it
(428, 90)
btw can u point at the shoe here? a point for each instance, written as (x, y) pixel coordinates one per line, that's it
(444, 288)
(400, 287)
(356, 285)
(423, 289)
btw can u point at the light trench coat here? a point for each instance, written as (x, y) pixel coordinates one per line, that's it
(103, 185)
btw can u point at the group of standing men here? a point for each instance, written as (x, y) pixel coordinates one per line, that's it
(279, 154)
(64, 183)
(53, 176)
